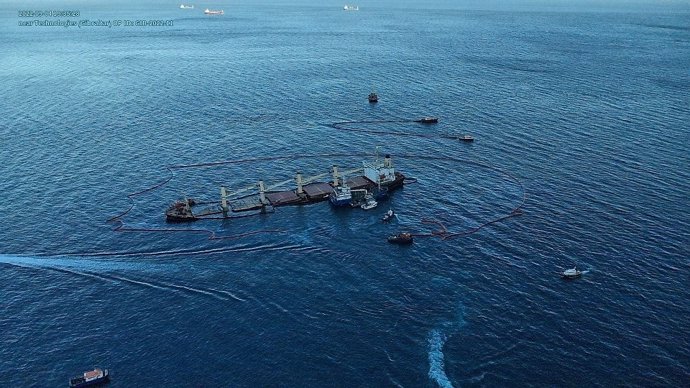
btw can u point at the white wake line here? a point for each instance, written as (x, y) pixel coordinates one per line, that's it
(437, 371)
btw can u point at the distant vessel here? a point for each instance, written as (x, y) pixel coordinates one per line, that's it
(213, 12)
(351, 8)
(90, 378)
(388, 216)
(181, 211)
(182, 6)
(369, 202)
(373, 97)
(401, 238)
(466, 138)
(571, 273)
(341, 195)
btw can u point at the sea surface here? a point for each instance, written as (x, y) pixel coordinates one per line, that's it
(583, 114)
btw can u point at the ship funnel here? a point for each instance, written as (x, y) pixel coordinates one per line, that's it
(387, 162)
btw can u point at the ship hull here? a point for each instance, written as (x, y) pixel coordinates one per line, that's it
(178, 219)
(394, 184)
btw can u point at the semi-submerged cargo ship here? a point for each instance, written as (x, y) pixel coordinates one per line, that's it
(379, 178)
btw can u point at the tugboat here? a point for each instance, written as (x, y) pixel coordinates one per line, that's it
(369, 202)
(428, 120)
(388, 216)
(400, 238)
(90, 378)
(373, 97)
(213, 12)
(341, 195)
(181, 211)
(572, 273)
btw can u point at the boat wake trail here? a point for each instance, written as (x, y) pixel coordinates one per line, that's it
(108, 271)
(79, 263)
(437, 339)
(437, 371)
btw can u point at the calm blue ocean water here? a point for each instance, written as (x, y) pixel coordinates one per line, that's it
(589, 110)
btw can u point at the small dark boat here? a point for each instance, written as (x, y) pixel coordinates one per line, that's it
(571, 273)
(373, 97)
(428, 120)
(466, 138)
(388, 216)
(90, 378)
(400, 238)
(181, 211)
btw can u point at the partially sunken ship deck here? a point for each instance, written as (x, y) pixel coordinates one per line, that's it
(377, 175)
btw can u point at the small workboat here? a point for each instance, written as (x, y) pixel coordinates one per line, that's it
(90, 378)
(388, 216)
(182, 6)
(369, 202)
(373, 97)
(400, 238)
(571, 273)
(466, 138)
(428, 120)
(213, 12)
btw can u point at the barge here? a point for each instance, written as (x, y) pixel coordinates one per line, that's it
(90, 378)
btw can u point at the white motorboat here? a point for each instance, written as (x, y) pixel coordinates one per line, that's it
(369, 202)
(571, 273)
